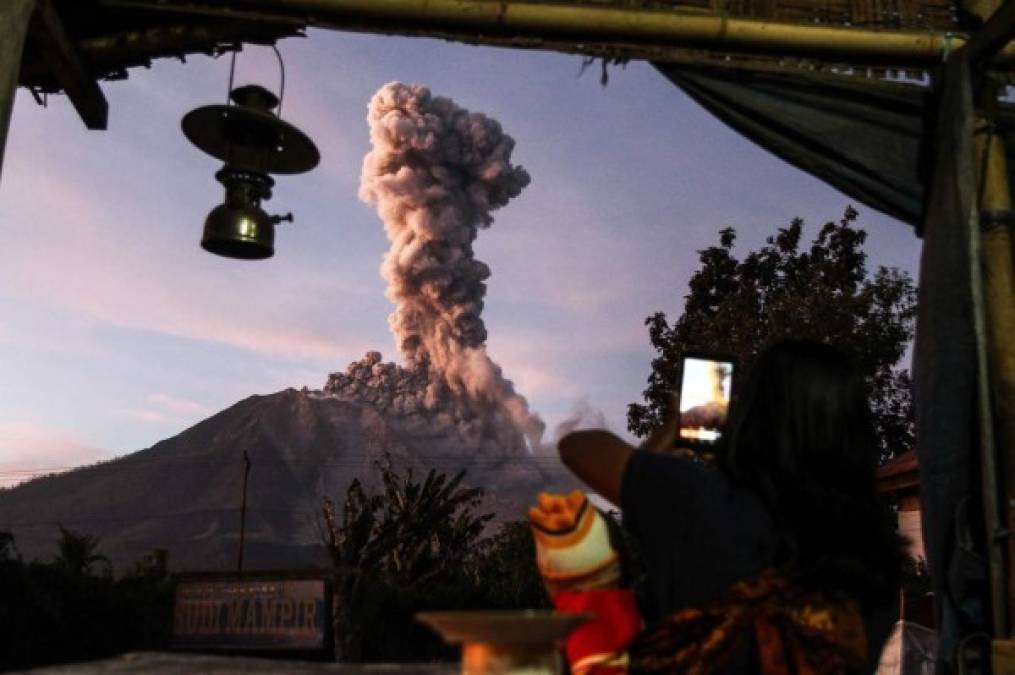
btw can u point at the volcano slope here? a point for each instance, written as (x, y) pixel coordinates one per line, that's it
(183, 494)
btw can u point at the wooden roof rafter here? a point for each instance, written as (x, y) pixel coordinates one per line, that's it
(63, 60)
(72, 45)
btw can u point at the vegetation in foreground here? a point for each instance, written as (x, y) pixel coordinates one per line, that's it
(416, 545)
(72, 609)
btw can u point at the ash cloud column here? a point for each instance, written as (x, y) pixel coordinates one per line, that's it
(435, 174)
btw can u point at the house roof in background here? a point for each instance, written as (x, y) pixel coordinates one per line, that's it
(901, 473)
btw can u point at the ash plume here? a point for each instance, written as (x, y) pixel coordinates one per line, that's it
(435, 173)
(583, 416)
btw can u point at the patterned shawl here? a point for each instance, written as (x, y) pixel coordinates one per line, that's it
(797, 632)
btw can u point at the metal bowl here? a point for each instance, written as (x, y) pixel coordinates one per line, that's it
(527, 627)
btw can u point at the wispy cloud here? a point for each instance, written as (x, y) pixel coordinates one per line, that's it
(534, 371)
(532, 380)
(75, 263)
(28, 450)
(50, 344)
(150, 416)
(583, 264)
(179, 405)
(588, 338)
(162, 408)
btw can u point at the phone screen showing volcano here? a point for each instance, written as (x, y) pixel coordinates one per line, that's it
(705, 388)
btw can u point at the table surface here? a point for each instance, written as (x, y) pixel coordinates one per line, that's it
(165, 663)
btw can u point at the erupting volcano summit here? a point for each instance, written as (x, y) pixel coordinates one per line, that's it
(435, 174)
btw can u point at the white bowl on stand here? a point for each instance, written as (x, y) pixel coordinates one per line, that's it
(508, 642)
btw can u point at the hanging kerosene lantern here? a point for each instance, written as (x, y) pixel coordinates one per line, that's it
(253, 142)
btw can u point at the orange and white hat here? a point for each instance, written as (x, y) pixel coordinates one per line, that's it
(573, 547)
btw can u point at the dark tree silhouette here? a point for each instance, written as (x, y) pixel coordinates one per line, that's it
(63, 611)
(504, 569)
(8, 549)
(77, 553)
(412, 534)
(822, 292)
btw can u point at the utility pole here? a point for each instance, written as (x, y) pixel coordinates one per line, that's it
(243, 511)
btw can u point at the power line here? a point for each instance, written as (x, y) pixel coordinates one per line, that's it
(345, 461)
(136, 518)
(158, 516)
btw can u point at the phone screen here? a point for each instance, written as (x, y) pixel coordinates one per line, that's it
(705, 388)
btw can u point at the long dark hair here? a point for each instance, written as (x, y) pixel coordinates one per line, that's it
(802, 438)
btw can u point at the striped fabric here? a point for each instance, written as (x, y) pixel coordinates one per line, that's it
(581, 571)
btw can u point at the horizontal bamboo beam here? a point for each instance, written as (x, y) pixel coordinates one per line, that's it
(658, 30)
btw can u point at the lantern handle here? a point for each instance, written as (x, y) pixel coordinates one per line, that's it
(232, 71)
(281, 88)
(281, 68)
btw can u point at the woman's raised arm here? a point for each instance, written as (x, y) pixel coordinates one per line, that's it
(599, 457)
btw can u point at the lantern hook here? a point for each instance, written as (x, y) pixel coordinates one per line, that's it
(281, 69)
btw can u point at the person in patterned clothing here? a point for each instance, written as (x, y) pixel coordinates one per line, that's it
(780, 558)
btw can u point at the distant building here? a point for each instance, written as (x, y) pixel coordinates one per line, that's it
(912, 646)
(901, 477)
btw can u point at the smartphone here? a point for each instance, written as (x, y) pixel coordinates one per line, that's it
(706, 389)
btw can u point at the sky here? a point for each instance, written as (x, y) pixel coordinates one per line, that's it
(117, 330)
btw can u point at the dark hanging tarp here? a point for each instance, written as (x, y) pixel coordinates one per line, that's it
(866, 138)
(948, 370)
(908, 152)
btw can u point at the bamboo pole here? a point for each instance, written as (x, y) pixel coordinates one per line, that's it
(997, 269)
(14, 17)
(994, 202)
(582, 24)
(999, 296)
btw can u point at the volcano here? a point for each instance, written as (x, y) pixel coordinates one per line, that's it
(435, 174)
(183, 494)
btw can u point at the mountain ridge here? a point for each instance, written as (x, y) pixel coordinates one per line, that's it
(183, 493)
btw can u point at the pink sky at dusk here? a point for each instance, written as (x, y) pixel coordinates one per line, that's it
(117, 330)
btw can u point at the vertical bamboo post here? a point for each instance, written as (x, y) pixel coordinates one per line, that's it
(997, 276)
(998, 279)
(995, 206)
(999, 296)
(14, 17)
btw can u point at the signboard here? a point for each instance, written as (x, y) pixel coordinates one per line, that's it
(254, 614)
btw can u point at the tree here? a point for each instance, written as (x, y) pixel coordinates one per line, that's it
(408, 537)
(505, 572)
(823, 292)
(77, 553)
(8, 549)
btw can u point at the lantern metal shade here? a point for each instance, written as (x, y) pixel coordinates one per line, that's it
(250, 136)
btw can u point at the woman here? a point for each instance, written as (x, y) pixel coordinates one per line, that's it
(778, 552)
